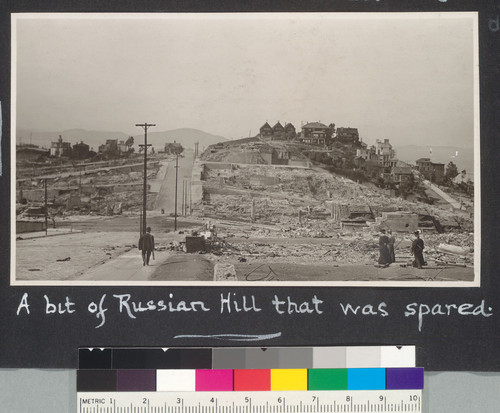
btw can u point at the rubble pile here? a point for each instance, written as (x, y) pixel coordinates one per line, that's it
(105, 192)
(360, 248)
(278, 195)
(268, 214)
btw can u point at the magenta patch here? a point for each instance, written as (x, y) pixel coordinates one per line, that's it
(214, 380)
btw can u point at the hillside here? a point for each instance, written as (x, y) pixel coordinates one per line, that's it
(186, 136)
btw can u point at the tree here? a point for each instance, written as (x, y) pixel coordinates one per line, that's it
(173, 148)
(451, 171)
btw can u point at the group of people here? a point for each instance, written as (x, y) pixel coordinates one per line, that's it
(387, 254)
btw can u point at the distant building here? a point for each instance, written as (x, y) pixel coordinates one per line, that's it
(401, 174)
(80, 151)
(60, 148)
(266, 130)
(110, 147)
(384, 152)
(278, 130)
(348, 136)
(30, 153)
(122, 147)
(365, 153)
(434, 172)
(316, 133)
(290, 132)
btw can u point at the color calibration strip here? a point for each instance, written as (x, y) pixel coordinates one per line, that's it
(216, 380)
(249, 380)
(247, 358)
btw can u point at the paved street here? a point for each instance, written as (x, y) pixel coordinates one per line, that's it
(166, 195)
(165, 267)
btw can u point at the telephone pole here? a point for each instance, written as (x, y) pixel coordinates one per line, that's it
(176, 175)
(46, 206)
(145, 126)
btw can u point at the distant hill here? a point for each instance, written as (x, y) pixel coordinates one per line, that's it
(187, 137)
(462, 157)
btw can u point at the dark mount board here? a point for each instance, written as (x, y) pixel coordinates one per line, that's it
(447, 343)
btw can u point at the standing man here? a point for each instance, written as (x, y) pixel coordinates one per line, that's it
(391, 246)
(417, 249)
(147, 246)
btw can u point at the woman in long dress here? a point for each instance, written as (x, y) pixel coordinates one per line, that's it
(384, 257)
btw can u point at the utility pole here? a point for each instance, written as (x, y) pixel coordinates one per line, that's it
(140, 222)
(190, 199)
(46, 207)
(145, 126)
(183, 205)
(176, 175)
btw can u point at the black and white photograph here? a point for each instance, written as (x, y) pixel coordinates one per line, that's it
(288, 149)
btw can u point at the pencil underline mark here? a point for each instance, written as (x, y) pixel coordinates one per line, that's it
(233, 337)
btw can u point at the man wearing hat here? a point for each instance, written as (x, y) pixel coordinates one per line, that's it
(147, 246)
(417, 249)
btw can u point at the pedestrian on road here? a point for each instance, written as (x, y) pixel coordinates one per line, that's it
(384, 258)
(147, 246)
(417, 249)
(391, 246)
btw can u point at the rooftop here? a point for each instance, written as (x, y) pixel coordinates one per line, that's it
(315, 125)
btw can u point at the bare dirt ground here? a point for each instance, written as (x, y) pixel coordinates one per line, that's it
(94, 243)
(66, 257)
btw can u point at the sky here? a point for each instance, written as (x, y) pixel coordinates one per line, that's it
(404, 77)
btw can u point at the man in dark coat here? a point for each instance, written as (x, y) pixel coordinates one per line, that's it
(384, 256)
(147, 246)
(417, 249)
